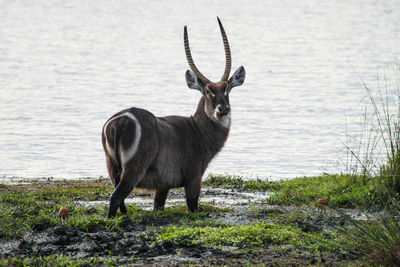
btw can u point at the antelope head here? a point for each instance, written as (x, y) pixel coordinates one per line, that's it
(216, 94)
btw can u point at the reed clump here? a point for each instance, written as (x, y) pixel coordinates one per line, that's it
(377, 239)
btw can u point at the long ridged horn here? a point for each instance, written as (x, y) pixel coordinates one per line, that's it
(189, 58)
(228, 59)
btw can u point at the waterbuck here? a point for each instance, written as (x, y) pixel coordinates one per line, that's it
(168, 152)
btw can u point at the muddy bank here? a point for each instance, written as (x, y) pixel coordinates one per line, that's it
(136, 239)
(132, 247)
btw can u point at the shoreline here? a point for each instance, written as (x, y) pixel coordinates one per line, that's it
(237, 224)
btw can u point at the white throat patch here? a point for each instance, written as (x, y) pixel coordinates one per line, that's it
(225, 122)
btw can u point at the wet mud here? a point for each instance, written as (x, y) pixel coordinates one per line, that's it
(135, 246)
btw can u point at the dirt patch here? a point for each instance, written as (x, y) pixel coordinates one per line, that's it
(136, 244)
(133, 247)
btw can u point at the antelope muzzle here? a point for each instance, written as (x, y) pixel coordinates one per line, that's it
(221, 111)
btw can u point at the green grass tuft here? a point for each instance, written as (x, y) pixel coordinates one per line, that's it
(250, 235)
(378, 239)
(247, 235)
(236, 182)
(347, 191)
(59, 260)
(344, 190)
(21, 206)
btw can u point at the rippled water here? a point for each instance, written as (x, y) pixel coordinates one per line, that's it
(66, 66)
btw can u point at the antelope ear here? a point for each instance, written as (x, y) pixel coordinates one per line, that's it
(192, 81)
(237, 78)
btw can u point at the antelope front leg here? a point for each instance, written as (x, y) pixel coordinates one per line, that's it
(160, 195)
(192, 193)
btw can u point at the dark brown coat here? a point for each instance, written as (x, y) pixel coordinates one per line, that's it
(168, 152)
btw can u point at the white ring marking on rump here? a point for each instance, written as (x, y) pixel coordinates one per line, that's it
(126, 155)
(110, 149)
(129, 153)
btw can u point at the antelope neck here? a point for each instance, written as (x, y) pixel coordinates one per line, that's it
(215, 132)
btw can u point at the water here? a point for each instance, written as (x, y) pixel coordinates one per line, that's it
(66, 66)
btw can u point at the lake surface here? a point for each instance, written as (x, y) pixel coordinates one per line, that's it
(67, 66)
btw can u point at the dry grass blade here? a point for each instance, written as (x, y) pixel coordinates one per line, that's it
(377, 239)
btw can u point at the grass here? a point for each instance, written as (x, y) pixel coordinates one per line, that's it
(23, 207)
(377, 240)
(177, 215)
(247, 235)
(59, 260)
(236, 182)
(346, 191)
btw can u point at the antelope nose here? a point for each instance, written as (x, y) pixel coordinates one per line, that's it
(223, 110)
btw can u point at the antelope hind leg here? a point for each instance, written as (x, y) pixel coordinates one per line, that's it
(115, 176)
(129, 179)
